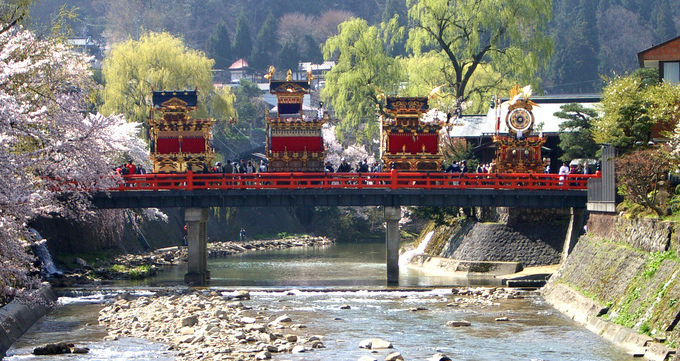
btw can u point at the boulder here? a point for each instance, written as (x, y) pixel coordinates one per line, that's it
(264, 355)
(54, 349)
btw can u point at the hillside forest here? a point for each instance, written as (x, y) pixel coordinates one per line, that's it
(591, 38)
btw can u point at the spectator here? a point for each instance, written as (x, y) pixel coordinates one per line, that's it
(263, 167)
(242, 235)
(329, 167)
(130, 167)
(344, 166)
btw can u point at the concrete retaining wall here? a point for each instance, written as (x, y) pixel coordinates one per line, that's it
(622, 281)
(17, 317)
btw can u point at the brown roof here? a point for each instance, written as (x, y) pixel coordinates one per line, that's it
(666, 51)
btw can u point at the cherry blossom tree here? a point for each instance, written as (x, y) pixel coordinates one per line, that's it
(53, 151)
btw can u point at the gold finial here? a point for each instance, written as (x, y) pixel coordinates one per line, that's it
(289, 75)
(270, 73)
(309, 75)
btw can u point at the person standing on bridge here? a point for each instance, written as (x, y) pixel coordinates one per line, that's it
(563, 172)
(130, 167)
(344, 166)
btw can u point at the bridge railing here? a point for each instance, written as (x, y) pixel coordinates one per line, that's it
(383, 180)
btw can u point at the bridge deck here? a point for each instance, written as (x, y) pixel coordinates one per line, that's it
(192, 190)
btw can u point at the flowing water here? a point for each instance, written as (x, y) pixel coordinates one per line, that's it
(310, 285)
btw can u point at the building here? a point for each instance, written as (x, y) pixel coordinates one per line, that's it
(665, 57)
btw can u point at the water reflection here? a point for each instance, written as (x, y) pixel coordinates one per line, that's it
(339, 265)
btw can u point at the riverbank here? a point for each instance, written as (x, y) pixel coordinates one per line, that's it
(139, 266)
(621, 282)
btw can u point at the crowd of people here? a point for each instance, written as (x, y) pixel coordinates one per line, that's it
(130, 168)
(244, 167)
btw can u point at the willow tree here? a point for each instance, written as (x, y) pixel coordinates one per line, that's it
(159, 61)
(508, 35)
(363, 74)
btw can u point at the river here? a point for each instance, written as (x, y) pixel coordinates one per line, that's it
(310, 285)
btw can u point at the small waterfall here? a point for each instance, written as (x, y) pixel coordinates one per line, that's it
(40, 249)
(406, 256)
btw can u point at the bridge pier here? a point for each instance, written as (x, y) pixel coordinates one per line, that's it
(392, 217)
(197, 241)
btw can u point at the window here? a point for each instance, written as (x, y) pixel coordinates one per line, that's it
(671, 72)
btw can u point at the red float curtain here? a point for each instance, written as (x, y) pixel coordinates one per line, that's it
(296, 144)
(167, 145)
(413, 143)
(193, 145)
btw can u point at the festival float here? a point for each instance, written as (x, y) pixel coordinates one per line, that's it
(179, 142)
(520, 150)
(407, 141)
(294, 140)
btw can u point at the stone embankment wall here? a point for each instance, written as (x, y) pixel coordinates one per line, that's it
(18, 316)
(622, 281)
(526, 236)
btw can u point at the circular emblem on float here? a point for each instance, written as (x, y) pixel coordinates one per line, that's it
(520, 120)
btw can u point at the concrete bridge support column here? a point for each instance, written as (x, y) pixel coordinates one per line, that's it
(392, 217)
(197, 265)
(576, 223)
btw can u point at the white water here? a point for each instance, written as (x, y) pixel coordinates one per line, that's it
(43, 254)
(408, 255)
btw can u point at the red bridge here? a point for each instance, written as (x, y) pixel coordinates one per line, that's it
(387, 180)
(196, 192)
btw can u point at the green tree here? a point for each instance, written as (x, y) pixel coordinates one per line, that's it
(574, 65)
(312, 50)
(396, 18)
(510, 36)
(662, 21)
(363, 74)
(265, 44)
(289, 56)
(219, 47)
(13, 13)
(576, 138)
(158, 61)
(243, 43)
(634, 105)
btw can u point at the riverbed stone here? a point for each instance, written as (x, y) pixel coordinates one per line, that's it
(394, 356)
(282, 318)
(375, 344)
(439, 357)
(188, 321)
(298, 349)
(461, 323)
